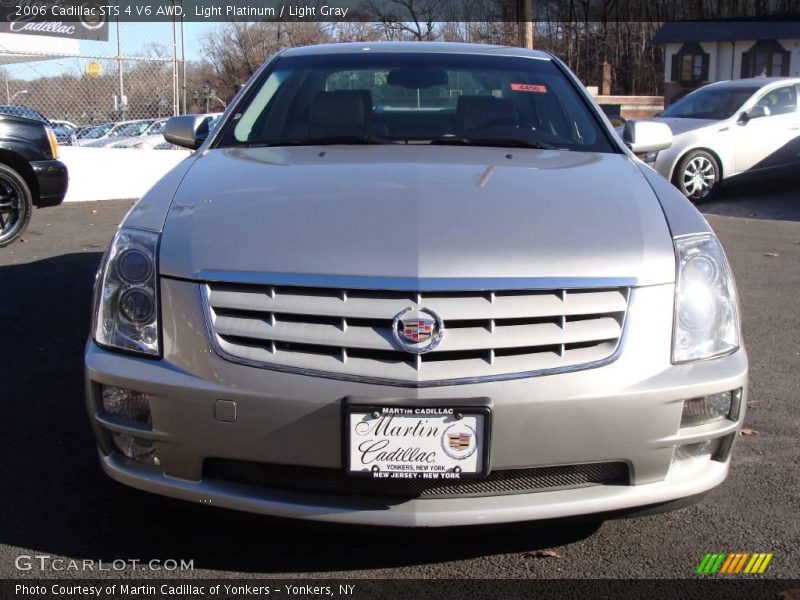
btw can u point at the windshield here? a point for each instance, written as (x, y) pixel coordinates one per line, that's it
(156, 127)
(710, 103)
(96, 132)
(415, 98)
(130, 129)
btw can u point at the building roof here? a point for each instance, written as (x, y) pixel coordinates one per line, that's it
(725, 31)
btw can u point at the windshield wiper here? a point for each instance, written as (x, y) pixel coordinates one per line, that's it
(495, 143)
(323, 141)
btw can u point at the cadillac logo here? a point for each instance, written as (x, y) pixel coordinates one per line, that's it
(459, 441)
(417, 330)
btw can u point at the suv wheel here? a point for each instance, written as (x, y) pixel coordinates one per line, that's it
(697, 176)
(16, 205)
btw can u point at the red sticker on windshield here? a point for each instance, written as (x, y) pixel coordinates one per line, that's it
(528, 87)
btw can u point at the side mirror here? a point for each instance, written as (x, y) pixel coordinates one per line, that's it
(756, 112)
(188, 131)
(646, 136)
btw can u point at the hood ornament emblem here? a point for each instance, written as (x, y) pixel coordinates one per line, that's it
(417, 330)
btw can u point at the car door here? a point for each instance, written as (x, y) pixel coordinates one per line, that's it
(772, 140)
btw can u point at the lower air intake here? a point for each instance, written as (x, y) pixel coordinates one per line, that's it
(314, 480)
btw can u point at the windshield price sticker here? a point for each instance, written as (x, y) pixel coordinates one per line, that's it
(528, 87)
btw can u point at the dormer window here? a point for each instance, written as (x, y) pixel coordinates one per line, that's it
(690, 64)
(767, 58)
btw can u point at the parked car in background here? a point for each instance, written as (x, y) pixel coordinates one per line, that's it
(366, 299)
(91, 133)
(69, 125)
(64, 136)
(30, 173)
(729, 129)
(119, 132)
(148, 138)
(153, 138)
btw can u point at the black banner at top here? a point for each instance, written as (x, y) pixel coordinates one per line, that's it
(93, 15)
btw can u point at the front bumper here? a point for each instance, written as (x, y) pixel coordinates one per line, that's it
(52, 179)
(627, 411)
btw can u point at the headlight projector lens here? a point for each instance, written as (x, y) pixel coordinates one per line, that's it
(134, 266)
(137, 306)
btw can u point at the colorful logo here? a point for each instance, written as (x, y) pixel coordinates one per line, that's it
(735, 563)
(417, 330)
(459, 441)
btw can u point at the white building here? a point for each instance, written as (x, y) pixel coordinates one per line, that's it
(696, 53)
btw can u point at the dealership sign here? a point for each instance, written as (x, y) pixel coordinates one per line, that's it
(32, 17)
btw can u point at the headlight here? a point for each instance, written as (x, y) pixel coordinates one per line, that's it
(650, 157)
(51, 137)
(706, 314)
(126, 294)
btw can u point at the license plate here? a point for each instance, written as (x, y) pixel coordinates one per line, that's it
(416, 442)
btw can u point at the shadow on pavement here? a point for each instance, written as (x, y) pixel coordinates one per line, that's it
(761, 197)
(55, 499)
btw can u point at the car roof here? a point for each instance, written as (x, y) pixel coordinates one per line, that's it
(758, 82)
(134, 121)
(415, 48)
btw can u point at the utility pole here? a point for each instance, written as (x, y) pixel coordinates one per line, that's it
(175, 80)
(119, 62)
(525, 23)
(183, 60)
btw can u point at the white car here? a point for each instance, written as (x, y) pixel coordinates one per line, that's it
(728, 129)
(120, 131)
(153, 138)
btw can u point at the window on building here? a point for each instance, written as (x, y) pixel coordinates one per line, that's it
(766, 58)
(690, 64)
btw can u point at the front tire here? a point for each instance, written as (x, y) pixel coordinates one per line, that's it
(698, 176)
(16, 205)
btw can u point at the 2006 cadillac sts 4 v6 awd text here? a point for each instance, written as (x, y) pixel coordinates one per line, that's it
(416, 285)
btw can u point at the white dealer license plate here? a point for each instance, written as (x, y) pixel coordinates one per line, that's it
(416, 442)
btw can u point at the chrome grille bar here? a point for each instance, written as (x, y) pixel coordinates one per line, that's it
(347, 334)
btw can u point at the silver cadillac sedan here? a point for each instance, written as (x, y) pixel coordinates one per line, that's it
(416, 285)
(729, 129)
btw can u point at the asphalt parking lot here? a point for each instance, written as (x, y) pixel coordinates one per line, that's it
(55, 501)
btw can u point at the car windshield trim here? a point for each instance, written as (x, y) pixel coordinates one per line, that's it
(495, 143)
(548, 105)
(353, 140)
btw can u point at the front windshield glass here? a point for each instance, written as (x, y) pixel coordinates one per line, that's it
(130, 129)
(96, 132)
(156, 127)
(710, 103)
(416, 98)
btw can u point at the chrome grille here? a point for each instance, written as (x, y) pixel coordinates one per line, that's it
(317, 480)
(347, 334)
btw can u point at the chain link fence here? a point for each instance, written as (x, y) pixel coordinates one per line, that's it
(133, 75)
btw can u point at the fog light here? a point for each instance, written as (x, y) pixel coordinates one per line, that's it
(138, 449)
(127, 404)
(689, 452)
(706, 409)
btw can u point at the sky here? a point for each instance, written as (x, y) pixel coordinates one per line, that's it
(135, 39)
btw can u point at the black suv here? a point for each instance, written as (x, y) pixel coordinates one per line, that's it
(30, 174)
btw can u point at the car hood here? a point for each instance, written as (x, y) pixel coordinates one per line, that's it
(679, 126)
(419, 212)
